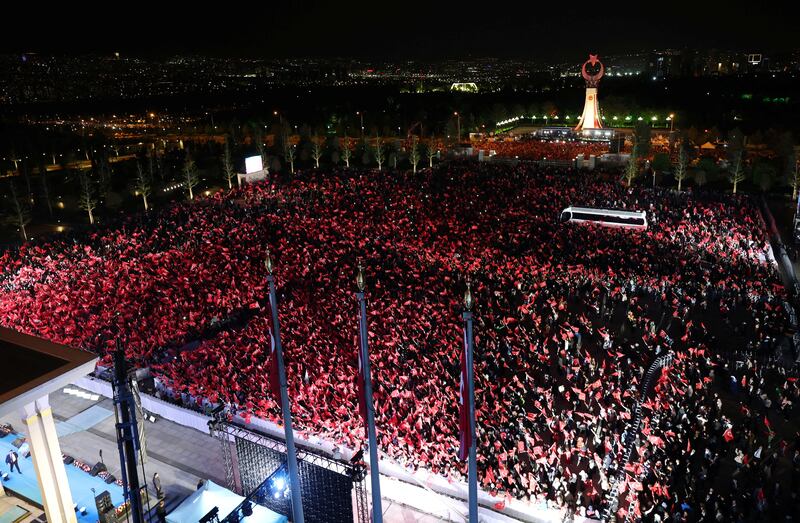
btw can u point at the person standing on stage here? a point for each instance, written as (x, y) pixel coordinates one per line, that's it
(12, 458)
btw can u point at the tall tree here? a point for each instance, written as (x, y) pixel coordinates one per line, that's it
(86, 197)
(190, 177)
(290, 153)
(430, 153)
(681, 168)
(347, 151)
(736, 151)
(736, 173)
(143, 186)
(316, 150)
(20, 213)
(631, 169)
(378, 152)
(227, 164)
(413, 154)
(289, 150)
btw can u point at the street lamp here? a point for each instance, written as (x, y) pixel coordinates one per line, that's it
(291, 453)
(671, 122)
(458, 118)
(368, 406)
(361, 115)
(471, 451)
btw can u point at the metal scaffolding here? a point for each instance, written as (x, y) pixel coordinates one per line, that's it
(333, 491)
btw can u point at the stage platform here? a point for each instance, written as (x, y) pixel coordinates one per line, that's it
(81, 483)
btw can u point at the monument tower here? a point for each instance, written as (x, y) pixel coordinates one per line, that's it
(592, 71)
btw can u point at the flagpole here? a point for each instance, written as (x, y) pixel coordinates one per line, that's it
(291, 454)
(377, 511)
(473, 459)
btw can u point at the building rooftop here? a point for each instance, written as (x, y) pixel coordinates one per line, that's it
(37, 367)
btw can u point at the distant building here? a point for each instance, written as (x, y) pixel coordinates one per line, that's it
(665, 64)
(464, 87)
(756, 62)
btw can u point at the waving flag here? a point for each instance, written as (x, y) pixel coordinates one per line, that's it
(728, 435)
(463, 421)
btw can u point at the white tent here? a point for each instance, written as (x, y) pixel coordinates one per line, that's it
(212, 495)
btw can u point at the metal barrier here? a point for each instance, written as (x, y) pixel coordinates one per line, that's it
(329, 486)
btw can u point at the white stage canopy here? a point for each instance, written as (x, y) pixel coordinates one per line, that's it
(212, 495)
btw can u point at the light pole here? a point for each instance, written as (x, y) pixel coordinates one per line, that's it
(377, 511)
(458, 125)
(472, 474)
(361, 115)
(671, 119)
(291, 453)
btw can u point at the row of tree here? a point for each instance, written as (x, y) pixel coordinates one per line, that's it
(763, 172)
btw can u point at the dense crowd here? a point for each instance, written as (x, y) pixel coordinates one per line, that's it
(533, 149)
(568, 318)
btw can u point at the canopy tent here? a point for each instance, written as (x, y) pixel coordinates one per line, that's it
(212, 495)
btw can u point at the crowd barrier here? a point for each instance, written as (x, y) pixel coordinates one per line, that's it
(166, 410)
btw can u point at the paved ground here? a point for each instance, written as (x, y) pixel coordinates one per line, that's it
(9, 502)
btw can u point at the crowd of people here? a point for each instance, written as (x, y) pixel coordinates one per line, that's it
(559, 149)
(534, 149)
(568, 319)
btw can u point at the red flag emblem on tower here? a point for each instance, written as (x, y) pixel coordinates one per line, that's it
(274, 375)
(361, 389)
(463, 422)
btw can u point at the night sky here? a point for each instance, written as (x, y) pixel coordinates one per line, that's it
(398, 29)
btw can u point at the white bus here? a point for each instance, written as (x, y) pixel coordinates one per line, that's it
(605, 217)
